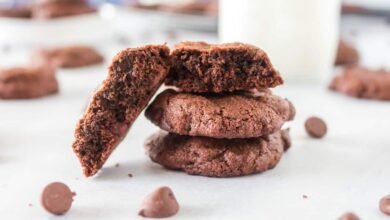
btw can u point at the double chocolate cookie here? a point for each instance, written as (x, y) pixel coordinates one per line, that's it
(206, 68)
(16, 12)
(363, 83)
(27, 82)
(229, 115)
(68, 57)
(134, 76)
(216, 157)
(48, 9)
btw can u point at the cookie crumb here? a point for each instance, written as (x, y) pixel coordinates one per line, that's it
(117, 165)
(305, 196)
(130, 175)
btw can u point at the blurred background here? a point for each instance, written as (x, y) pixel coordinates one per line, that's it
(301, 36)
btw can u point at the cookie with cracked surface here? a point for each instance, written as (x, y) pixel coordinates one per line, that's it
(201, 67)
(231, 115)
(346, 54)
(134, 76)
(68, 57)
(215, 157)
(28, 82)
(363, 83)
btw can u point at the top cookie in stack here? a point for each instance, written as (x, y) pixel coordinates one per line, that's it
(223, 119)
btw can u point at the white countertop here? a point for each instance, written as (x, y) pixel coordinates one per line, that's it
(348, 170)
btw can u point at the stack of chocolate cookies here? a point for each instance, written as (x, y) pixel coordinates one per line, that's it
(221, 120)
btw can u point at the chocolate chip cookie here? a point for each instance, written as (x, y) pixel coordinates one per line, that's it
(27, 82)
(134, 76)
(201, 67)
(215, 157)
(68, 57)
(232, 115)
(363, 83)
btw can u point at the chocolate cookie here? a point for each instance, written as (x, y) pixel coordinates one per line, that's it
(229, 116)
(27, 82)
(16, 12)
(56, 9)
(215, 157)
(363, 83)
(68, 57)
(201, 67)
(346, 54)
(134, 76)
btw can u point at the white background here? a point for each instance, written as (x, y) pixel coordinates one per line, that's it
(348, 170)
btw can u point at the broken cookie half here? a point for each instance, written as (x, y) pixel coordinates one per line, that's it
(134, 76)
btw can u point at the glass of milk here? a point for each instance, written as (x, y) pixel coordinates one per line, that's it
(299, 36)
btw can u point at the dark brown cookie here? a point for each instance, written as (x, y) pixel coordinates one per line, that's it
(215, 157)
(68, 57)
(219, 115)
(346, 54)
(363, 83)
(134, 76)
(27, 82)
(201, 67)
(57, 9)
(16, 12)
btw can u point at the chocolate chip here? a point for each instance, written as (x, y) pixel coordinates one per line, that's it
(349, 216)
(160, 203)
(315, 127)
(384, 205)
(57, 198)
(130, 175)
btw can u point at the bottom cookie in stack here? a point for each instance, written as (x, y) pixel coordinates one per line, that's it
(219, 135)
(217, 157)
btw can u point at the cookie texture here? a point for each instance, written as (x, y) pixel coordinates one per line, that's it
(215, 157)
(27, 82)
(68, 57)
(134, 76)
(237, 115)
(346, 54)
(56, 9)
(201, 67)
(363, 83)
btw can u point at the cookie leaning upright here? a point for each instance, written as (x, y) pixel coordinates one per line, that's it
(134, 76)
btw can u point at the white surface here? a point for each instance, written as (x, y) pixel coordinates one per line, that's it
(346, 171)
(300, 36)
(85, 29)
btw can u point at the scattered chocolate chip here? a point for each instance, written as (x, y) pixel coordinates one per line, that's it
(130, 175)
(349, 216)
(315, 127)
(384, 205)
(160, 203)
(57, 198)
(286, 138)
